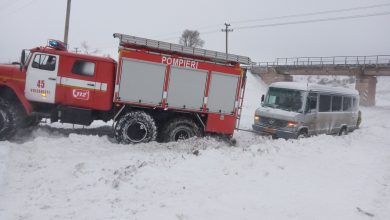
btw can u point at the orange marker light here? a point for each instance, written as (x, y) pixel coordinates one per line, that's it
(292, 124)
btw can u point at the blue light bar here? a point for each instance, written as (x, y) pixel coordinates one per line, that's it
(56, 44)
(53, 43)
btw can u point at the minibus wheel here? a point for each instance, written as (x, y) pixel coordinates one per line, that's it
(303, 134)
(343, 131)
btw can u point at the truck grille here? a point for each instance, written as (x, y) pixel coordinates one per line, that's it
(272, 122)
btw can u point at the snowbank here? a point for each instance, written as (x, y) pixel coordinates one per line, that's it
(383, 91)
(254, 89)
(60, 173)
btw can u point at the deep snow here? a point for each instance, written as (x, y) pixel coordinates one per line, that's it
(56, 173)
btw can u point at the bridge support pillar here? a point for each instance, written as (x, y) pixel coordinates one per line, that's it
(366, 86)
(270, 75)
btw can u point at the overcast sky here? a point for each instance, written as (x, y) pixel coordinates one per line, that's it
(29, 23)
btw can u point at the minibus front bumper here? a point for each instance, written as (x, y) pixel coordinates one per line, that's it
(279, 133)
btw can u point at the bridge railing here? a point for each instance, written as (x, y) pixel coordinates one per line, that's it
(380, 60)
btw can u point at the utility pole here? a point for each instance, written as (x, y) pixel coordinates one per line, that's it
(76, 50)
(67, 23)
(227, 30)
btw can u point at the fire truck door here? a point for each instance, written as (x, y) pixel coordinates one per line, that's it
(41, 78)
(79, 85)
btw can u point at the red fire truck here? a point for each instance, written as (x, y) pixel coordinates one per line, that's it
(156, 90)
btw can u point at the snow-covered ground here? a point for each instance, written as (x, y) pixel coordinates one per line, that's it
(57, 173)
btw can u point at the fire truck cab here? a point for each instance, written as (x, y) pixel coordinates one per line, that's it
(78, 86)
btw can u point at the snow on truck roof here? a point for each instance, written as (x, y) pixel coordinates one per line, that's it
(314, 87)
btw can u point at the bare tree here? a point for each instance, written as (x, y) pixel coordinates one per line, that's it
(87, 49)
(191, 38)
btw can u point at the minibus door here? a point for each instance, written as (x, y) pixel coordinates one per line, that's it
(311, 113)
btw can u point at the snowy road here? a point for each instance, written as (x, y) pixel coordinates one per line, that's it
(50, 174)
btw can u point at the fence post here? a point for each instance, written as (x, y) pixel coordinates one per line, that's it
(377, 59)
(364, 62)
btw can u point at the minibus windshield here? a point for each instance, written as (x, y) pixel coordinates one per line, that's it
(284, 99)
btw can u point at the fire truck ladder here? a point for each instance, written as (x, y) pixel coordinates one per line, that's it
(197, 52)
(241, 100)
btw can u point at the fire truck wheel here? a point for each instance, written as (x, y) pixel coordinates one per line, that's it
(135, 127)
(10, 119)
(180, 129)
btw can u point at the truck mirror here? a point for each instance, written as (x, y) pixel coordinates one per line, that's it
(262, 98)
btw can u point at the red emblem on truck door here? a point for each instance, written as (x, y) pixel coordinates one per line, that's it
(80, 94)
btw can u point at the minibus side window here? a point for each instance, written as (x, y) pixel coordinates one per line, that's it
(347, 104)
(336, 103)
(353, 103)
(325, 101)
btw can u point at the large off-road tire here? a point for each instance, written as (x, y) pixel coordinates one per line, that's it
(10, 119)
(180, 129)
(135, 127)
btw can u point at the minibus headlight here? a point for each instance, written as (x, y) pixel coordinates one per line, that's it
(257, 118)
(292, 124)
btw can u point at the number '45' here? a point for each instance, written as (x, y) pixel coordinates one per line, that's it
(41, 84)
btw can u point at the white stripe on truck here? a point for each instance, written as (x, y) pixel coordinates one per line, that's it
(84, 84)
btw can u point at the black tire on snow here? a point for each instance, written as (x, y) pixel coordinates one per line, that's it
(302, 134)
(343, 131)
(135, 127)
(180, 129)
(10, 119)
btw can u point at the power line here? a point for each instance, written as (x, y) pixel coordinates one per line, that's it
(313, 20)
(20, 8)
(299, 22)
(311, 13)
(5, 6)
(283, 17)
(296, 22)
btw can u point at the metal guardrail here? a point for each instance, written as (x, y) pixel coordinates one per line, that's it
(377, 61)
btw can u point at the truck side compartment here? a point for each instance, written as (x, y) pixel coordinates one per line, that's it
(146, 79)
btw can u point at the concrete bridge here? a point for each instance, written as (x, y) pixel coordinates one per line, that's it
(365, 69)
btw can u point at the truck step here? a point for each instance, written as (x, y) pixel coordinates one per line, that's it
(41, 114)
